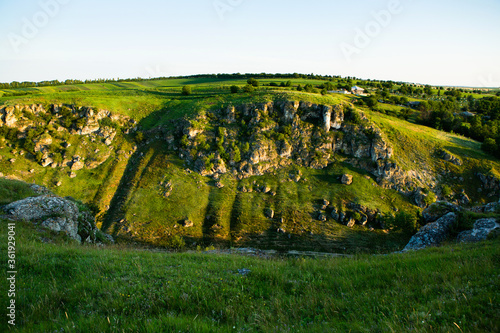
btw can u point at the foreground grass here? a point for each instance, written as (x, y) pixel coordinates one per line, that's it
(69, 288)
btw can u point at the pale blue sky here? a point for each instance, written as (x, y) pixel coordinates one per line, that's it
(441, 42)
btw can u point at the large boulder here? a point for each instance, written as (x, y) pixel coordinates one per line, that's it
(482, 228)
(432, 234)
(55, 213)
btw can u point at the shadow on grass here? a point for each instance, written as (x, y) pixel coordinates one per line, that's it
(365, 241)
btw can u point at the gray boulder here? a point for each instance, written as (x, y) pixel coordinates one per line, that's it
(55, 213)
(432, 234)
(482, 228)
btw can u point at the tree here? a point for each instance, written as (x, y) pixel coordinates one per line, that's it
(403, 221)
(248, 88)
(428, 90)
(139, 137)
(186, 90)
(371, 102)
(253, 82)
(489, 145)
(235, 89)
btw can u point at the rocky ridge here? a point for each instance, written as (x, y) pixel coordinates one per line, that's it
(253, 139)
(46, 131)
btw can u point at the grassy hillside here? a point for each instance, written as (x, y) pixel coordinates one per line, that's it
(63, 286)
(128, 189)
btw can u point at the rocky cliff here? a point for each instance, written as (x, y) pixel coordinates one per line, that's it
(254, 139)
(46, 132)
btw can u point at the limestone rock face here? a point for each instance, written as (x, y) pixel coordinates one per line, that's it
(337, 118)
(289, 110)
(432, 234)
(9, 117)
(482, 228)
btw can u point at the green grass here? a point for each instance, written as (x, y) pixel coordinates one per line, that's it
(65, 286)
(13, 190)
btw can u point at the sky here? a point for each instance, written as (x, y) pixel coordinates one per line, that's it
(437, 42)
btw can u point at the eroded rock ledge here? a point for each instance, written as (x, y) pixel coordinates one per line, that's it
(252, 139)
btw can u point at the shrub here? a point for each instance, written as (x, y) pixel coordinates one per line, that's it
(108, 122)
(38, 156)
(253, 82)
(176, 242)
(352, 116)
(446, 191)
(186, 90)
(430, 198)
(405, 222)
(139, 137)
(235, 89)
(184, 141)
(237, 154)
(245, 148)
(248, 88)
(489, 145)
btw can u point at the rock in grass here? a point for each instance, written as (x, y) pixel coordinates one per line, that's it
(55, 213)
(432, 234)
(187, 223)
(346, 179)
(482, 228)
(321, 217)
(269, 213)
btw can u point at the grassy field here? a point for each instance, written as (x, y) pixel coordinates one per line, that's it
(65, 287)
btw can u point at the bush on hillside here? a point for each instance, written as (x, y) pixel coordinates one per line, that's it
(402, 221)
(253, 82)
(248, 88)
(186, 90)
